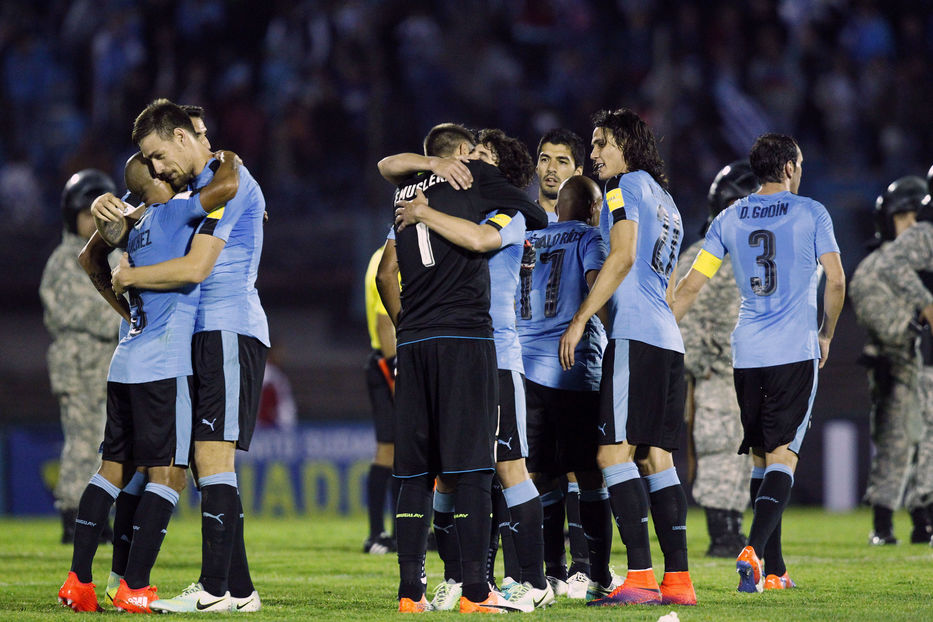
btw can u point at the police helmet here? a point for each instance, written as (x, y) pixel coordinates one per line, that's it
(902, 195)
(734, 181)
(80, 191)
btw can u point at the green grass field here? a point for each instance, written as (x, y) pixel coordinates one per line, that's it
(311, 568)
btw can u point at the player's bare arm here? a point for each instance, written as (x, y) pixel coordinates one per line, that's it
(396, 168)
(479, 238)
(108, 208)
(603, 313)
(686, 292)
(387, 282)
(623, 240)
(93, 258)
(834, 295)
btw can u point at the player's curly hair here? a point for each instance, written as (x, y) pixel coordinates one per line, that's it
(514, 160)
(770, 153)
(636, 140)
(161, 117)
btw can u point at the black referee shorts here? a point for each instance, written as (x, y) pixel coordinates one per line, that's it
(380, 397)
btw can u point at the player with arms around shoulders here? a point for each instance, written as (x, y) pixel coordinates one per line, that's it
(777, 240)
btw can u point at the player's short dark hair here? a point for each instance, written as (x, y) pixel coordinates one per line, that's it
(161, 117)
(193, 110)
(636, 140)
(581, 193)
(769, 154)
(562, 136)
(514, 160)
(444, 138)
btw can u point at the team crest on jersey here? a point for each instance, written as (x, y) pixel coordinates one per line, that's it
(614, 199)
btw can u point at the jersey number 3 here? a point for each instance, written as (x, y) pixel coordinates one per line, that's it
(764, 239)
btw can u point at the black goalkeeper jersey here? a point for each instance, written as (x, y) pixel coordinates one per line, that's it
(445, 288)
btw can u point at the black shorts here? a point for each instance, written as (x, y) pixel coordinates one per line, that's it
(380, 397)
(445, 406)
(511, 437)
(642, 395)
(149, 424)
(776, 403)
(228, 371)
(562, 429)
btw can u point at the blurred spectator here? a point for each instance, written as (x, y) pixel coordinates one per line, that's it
(276, 404)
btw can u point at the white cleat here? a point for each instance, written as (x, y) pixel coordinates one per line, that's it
(527, 598)
(193, 599)
(577, 584)
(447, 595)
(246, 605)
(559, 586)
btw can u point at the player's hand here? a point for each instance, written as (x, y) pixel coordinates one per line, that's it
(118, 275)
(454, 170)
(824, 350)
(408, 212)
(225, 155)
(108, 207)
(568, 343)
(927, 314)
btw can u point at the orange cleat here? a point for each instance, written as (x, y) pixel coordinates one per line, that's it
(677, 589)
(774, 582)
(407, 605)
(78, 596)
(134, 601)
(751, 577)
(494, 603)
(639, 588)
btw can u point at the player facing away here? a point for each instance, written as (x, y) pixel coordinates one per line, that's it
(642, 386)
(229, 347)
(446, 388)
(563, 406)
(777, 241)
(148, 403)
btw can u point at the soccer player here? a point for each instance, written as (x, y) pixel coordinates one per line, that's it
(229, 348)
(715, 425)
(563, 406)
(446, 388)
(777, 240)
(560, 156)
(148, 403)
(519, 505)
(380, 381)
(642, 386)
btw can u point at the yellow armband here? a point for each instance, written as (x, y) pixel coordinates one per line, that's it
(707, 264)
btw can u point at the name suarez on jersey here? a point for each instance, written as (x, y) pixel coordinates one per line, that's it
(764, 211)
(565, 237)
(141, 240)
(407, 193)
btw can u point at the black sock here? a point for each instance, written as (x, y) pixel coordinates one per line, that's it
(219, 519)
(445, 532)
(123, 530)
(377, 486)
(93, 510)
(529, 541)
(394, 487)
(770, 502)
(511, 567)
(149, 525)
(629, 503)
(579, 547)
(774, 557)
(412, 520)
(473, 502)
(555, 557)
(597, 525)
(669, 514)
(493, 549)
(238, 579)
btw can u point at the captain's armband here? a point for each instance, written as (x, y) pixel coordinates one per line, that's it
(707, 264)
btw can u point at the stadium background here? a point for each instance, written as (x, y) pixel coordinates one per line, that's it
(311, 93)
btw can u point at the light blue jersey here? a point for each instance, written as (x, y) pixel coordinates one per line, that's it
(775, 241)
(157, 342)
(229, 300)
(504, 266)
(548, 298)
(638, 309)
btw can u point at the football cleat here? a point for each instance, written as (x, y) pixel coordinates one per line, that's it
(447, 595)
(783, 582)
(248, 604)
(407, 605)
(528, 598)
(78, 596)
(677, 589)
(380, 545)
(751, 577)
(558, 585)
(881, 538)
(577, 586)
(494, 603)
(639, 588)
(193, 599)
(113, 582)
(134, 601)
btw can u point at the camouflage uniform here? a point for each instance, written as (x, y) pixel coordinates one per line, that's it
(722, 476)
(84, 334)
(910, 253)
(894, 367)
